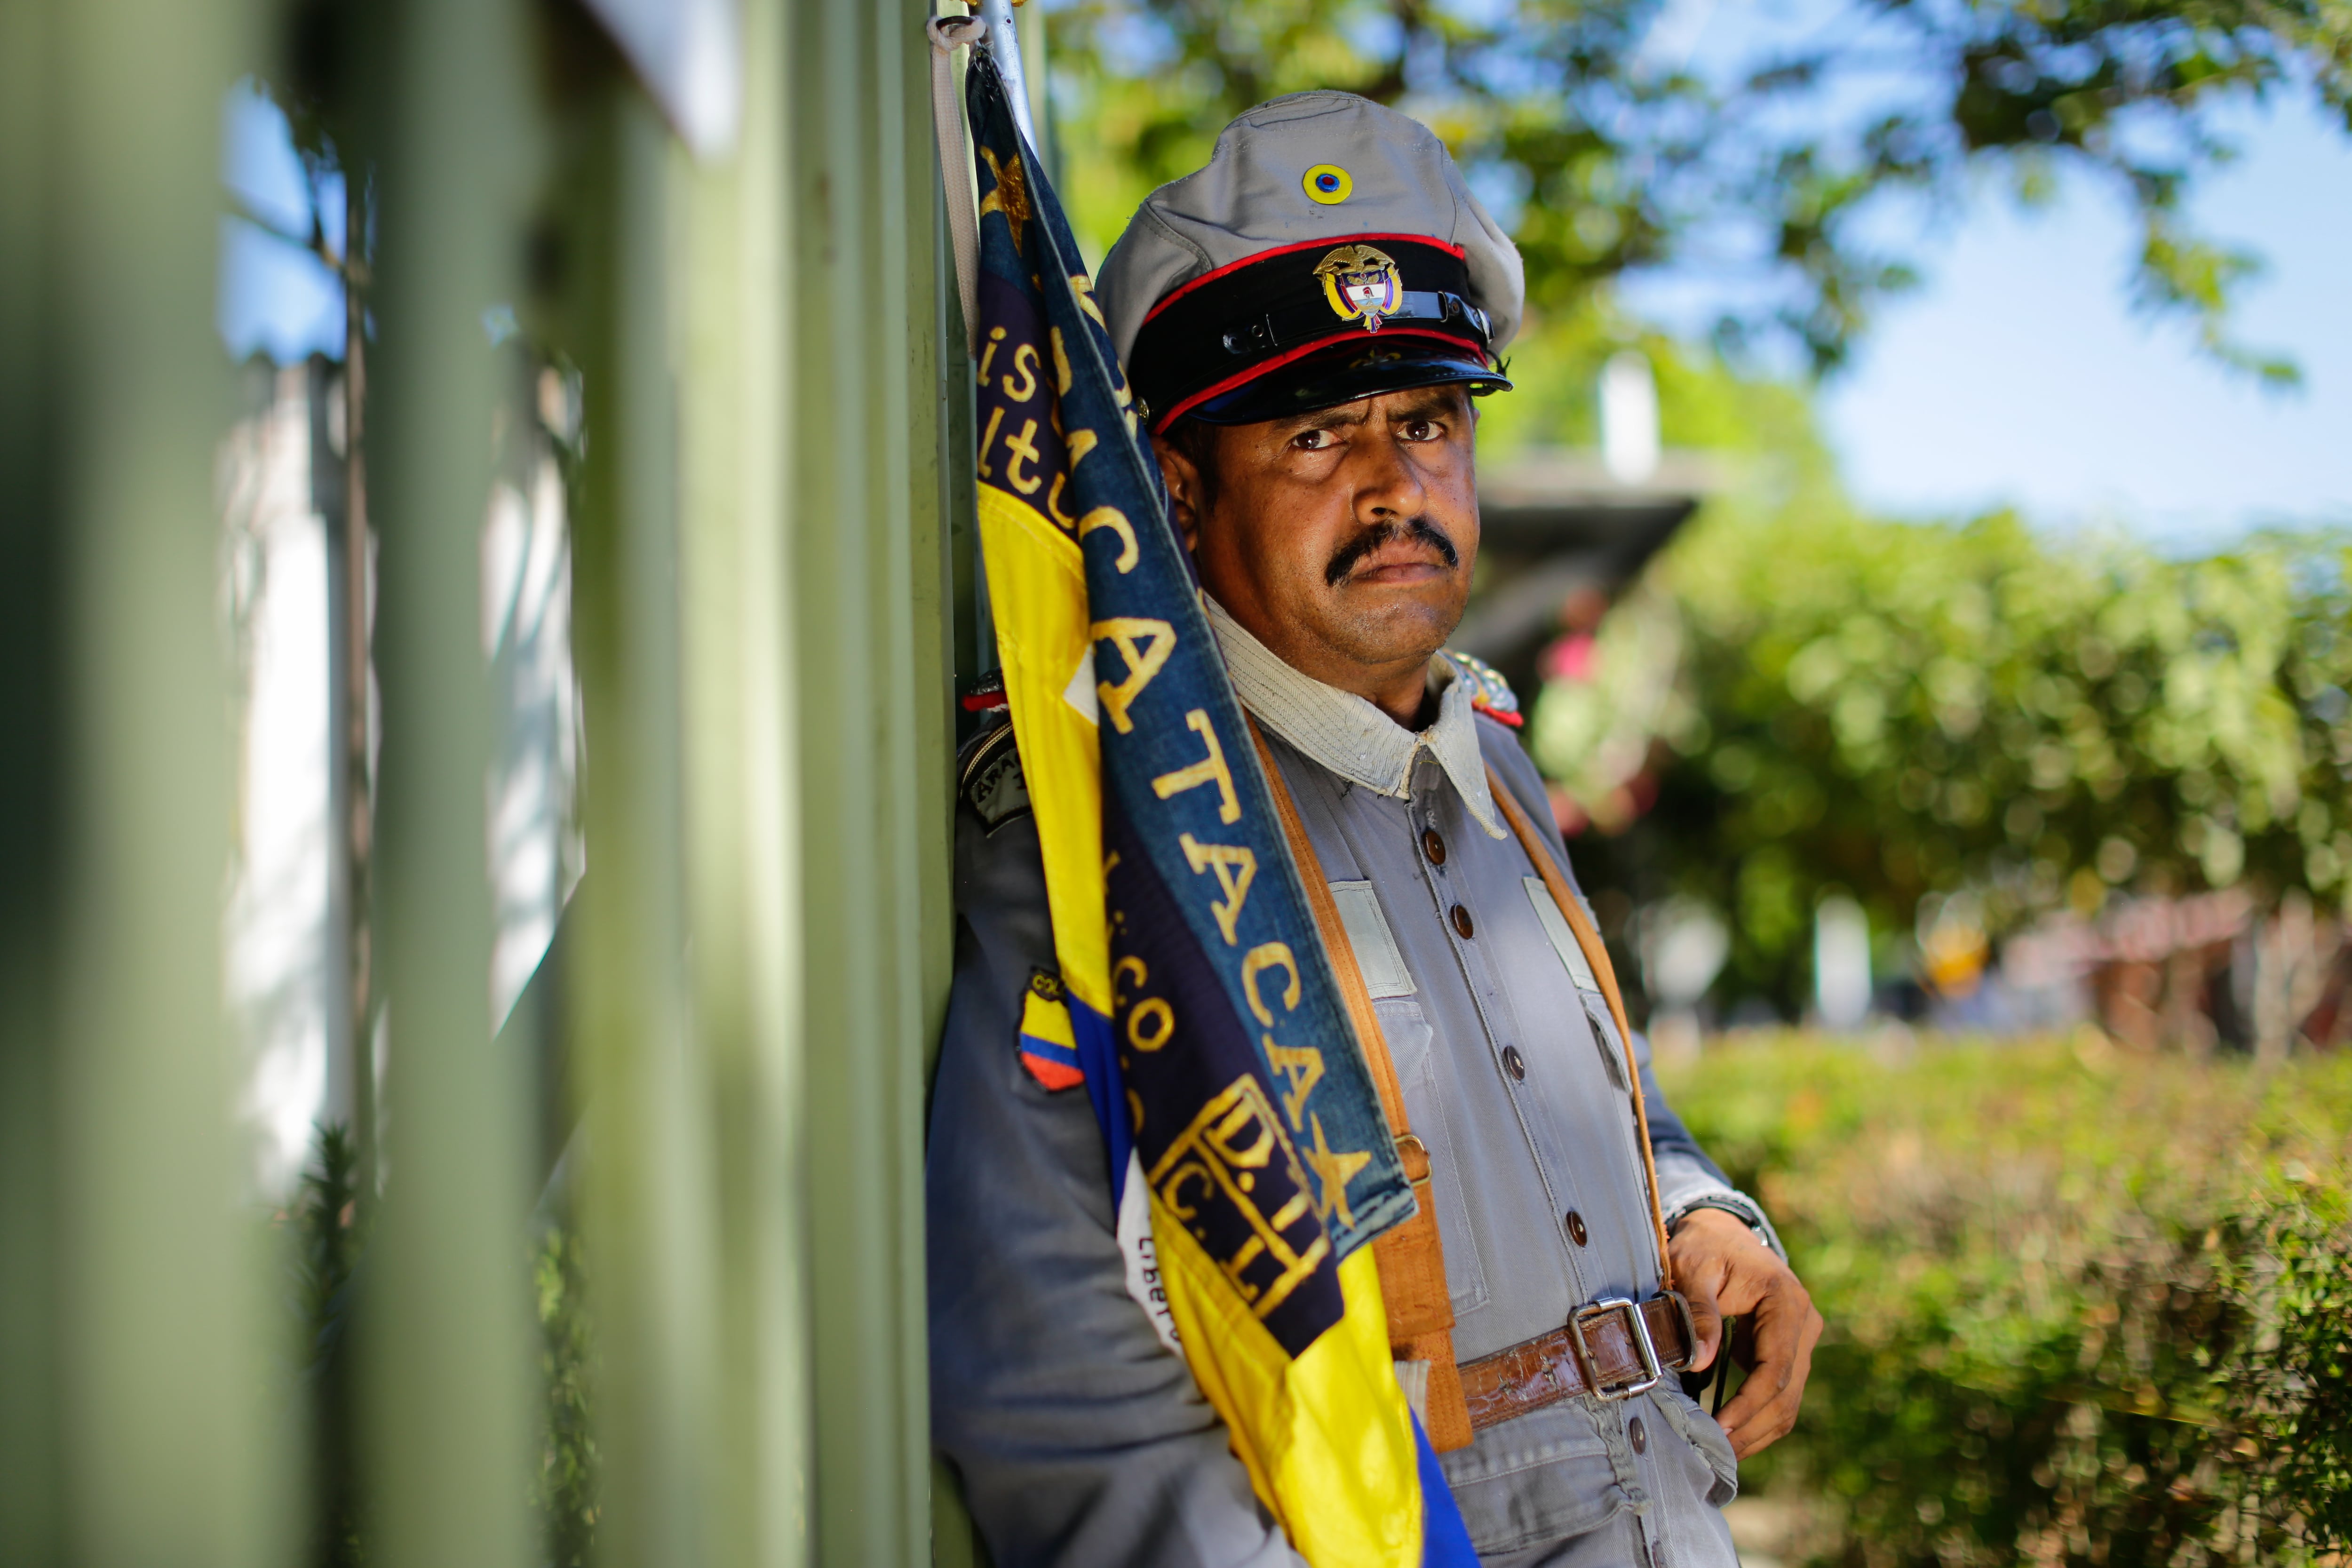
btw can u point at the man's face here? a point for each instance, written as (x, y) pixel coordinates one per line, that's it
(1342, 539)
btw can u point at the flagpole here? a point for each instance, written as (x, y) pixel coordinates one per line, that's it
(1004, 43)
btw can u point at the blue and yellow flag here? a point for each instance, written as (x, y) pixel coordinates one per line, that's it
(1250, 1162)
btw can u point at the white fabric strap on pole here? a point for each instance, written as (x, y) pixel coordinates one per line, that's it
(949, 34)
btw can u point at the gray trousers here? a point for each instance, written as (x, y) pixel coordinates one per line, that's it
(1566, 1488)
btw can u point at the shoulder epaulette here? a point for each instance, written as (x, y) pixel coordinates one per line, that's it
(990, 778)
(985, 695)
(1489, 693)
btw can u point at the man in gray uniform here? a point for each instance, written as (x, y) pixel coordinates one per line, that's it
(1306, 321)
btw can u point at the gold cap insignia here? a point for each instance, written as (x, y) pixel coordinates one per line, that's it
(1362, 284)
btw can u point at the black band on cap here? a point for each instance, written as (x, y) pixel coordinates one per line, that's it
(1223, 331)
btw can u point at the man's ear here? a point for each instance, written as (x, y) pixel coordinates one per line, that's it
(1184, 481)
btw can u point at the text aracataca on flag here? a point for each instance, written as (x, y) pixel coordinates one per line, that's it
(1250, 1162)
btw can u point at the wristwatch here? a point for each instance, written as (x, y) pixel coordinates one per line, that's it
(1741, 1207)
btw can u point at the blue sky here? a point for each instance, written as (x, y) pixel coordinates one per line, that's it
(275, 297)
(2018, 373)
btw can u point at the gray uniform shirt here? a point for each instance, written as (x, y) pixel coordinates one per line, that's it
(1079, 1439)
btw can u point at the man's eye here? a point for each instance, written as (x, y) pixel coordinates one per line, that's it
(1419, 430)
(1314, 440)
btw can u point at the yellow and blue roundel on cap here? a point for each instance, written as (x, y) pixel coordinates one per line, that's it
(1327, 184)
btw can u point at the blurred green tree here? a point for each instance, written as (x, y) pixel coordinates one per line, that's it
(1900, 710)
(1601, 147)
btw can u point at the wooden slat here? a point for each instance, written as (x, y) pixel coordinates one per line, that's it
(447, 1332)
(133, 1303)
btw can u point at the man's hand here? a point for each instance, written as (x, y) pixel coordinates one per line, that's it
(1724, 1271)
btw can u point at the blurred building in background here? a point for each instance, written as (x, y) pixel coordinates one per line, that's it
(1563, 533)
(282, 476)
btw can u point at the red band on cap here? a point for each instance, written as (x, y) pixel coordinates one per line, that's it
(1278, 360)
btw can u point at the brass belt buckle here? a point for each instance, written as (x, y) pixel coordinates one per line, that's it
(1652, 1373)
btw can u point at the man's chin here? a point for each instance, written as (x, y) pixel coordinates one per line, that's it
(1393, 627)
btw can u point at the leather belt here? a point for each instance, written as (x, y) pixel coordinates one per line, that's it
(1614, 1349)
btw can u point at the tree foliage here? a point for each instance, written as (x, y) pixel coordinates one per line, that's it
(1899, 710)
(1603, 148)
(1799, 698)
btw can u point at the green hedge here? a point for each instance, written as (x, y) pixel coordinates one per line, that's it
(2084, 1307)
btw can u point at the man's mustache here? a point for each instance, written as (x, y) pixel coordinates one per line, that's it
(1344, 560)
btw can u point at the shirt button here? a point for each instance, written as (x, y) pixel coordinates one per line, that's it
(1576, 1231)
(1434, 846)
(1515, 1064)
(1639, 1434)
(1462, 922)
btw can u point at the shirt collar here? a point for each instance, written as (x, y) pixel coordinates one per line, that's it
(1351, 736)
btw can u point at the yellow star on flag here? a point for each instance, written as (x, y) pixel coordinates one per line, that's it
(1336, 1169)
(1011, 196)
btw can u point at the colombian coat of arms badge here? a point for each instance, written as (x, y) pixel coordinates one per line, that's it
(1362, 284)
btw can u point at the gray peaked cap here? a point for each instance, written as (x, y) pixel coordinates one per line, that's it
(1253, 197)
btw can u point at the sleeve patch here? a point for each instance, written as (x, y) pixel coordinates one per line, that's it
(993, 784)
(1049, 1048)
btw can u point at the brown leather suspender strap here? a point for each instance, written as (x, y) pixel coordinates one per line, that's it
(1596, 954)
(1411, 1256)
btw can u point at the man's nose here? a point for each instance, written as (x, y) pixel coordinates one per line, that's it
(1387, 481)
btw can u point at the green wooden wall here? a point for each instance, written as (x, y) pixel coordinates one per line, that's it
(764, 626)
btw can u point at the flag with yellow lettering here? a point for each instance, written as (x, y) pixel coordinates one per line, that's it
(1249, 1159)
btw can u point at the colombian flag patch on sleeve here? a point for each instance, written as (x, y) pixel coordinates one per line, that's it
(1048, 1047)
